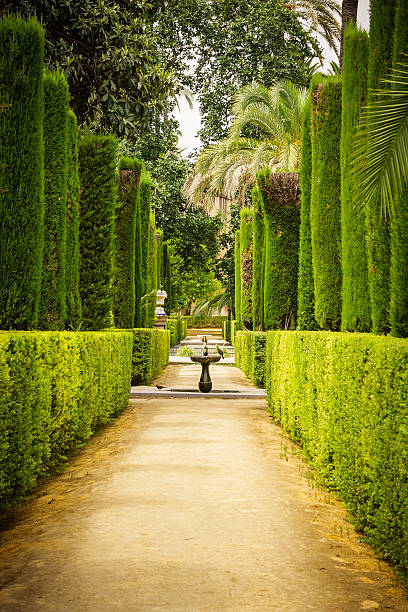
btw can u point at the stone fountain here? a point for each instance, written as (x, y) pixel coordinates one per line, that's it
(205, 384)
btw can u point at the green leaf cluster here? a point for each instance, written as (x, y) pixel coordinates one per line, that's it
(150, 355)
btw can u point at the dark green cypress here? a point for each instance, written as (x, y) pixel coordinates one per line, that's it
(306, 305)
(167, 279)
(246, 259)
(356, 308)
(382, 15)
(325, 201)
(74, 309)
(97, 171)
(160, 272)
(53, 302)
(145, 210)
(399, 222)
(127, 245)
(237, 259)
(281, 208)
(21, 171)
(258, 273)
(151, 273)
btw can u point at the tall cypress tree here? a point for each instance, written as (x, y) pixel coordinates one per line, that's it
(21, 171)
(237, 259)
(53, 303)
(258, 272)
(356, 309)
(127, 244)
(306, 305)
(399, 222)
(145, 210)
(97, 170)
(246, 259)
(382, 15)
(325, 201)
(74, 309)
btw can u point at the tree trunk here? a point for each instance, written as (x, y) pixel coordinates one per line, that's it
(348, 13)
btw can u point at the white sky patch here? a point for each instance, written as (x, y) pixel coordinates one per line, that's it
(190, 119)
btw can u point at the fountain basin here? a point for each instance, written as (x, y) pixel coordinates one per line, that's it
(205, 384)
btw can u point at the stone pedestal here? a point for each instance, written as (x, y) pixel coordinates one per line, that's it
(161, 317)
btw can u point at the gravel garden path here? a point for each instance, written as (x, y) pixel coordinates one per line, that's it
(189, 504)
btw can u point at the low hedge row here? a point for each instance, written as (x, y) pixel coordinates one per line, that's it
(345, 399)
(250, 349)
(205, 322)
(151, 349)
(177, 328)
(55, 389)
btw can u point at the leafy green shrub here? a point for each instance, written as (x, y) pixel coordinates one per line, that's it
(258, 273)
(237, 258)
(55, 389)
(325, 201)
(306, 305)
(185, 351)
(128, 270)
(21, 171)
(382, 15)
(74, 308)
(97, 162)
(151, 349)
(200, 322)
(226, 330)
(280, 203)
(246, 262)
(356, 308)
(344, 397)
(53, 302)
(250, 350)
(174, 329)
(399, 223)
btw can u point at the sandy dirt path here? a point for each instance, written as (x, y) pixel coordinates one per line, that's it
(189, 505)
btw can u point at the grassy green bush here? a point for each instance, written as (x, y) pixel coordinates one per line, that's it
(399, 223)
(356, 308)
(55, 389)
(97, 165)
(74, 308)
(306, 302)
(53, 302)
(280, 202)
(325, 201)
(246, 262)
(127, 243)
(382, 16)
(258, 273)
(150, 354)
(344, 397)
(237, 260)
(21, 171)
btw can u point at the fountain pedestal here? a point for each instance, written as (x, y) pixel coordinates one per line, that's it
(205, 384)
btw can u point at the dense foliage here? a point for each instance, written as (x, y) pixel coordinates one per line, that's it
(258, 274)
(53, 302)
(21, 171)
(97, 166)
(237, 261)
(246, 263)
(150, 354)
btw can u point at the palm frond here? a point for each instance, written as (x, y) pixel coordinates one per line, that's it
(380, 163)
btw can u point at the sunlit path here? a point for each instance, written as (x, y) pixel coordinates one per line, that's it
(189, 505)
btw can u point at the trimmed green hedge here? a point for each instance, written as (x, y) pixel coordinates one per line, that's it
(53, 302)
(97, 165)
(246, 259)
(325, 201)
(151, 349)
(258, 271)
(177, 328)
(226, 330)
(356, 308)
(250, 355)
(382, 15)
(145, 212)
(55, 389)
(237, 293)
(21, 171)
(306, 301)
(280, 202)
(344, 397)
(128, 270)
(74, 307)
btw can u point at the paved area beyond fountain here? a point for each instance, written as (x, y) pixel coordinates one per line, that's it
(189, 505)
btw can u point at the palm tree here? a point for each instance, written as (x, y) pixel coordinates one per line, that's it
(381, 158)
(265, 132)
(348, 13)
(319, 16)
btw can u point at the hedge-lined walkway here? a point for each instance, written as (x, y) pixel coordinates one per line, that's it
(189, 505)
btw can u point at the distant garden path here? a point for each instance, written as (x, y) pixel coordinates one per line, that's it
(189, 504)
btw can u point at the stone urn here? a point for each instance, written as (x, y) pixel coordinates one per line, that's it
(161, 317)
(205, 384)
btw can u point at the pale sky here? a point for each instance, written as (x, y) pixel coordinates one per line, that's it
(189, 119)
